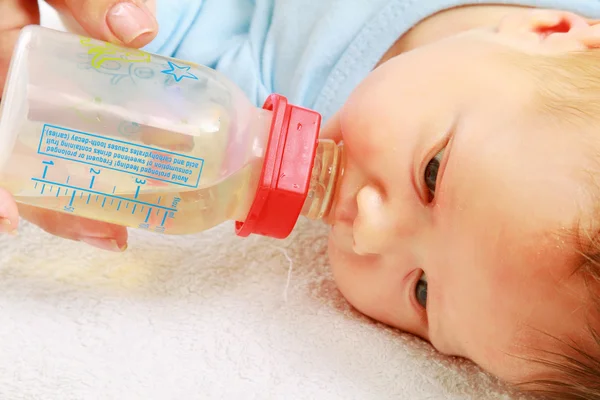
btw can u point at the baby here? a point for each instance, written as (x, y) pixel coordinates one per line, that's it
(470, 133)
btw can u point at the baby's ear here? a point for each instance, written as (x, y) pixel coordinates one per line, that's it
(553, 29)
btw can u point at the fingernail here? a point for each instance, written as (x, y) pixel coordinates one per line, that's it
(128, 22)
(7, 227)
(104, 244)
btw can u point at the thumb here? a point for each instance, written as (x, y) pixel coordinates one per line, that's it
(127, 22)
(9, 214)
(14, 15)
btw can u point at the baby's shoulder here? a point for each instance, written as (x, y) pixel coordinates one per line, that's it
(312, 51)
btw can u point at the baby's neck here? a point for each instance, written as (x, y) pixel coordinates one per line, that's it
(448, 23)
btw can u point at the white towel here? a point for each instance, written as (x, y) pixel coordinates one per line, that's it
(202, 317)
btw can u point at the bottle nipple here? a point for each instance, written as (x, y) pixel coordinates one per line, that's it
(299, 176)
(327, 170)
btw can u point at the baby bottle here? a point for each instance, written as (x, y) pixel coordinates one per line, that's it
(136, 139)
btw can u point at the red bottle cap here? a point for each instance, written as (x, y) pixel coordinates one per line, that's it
(286, 173)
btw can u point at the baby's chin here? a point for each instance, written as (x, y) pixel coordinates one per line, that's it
(339, 260)
(334, 254)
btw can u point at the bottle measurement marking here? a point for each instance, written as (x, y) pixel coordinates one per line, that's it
(120, 199)
(70, 192)
(46, 165)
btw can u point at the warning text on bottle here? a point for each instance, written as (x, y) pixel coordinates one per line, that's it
(118, 155)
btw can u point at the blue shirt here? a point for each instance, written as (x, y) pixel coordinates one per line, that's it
(314, 52)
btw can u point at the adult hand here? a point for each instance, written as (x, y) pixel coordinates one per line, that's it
(131, 23)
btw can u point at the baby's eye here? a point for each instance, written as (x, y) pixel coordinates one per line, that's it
(431, 172)
(421, 291)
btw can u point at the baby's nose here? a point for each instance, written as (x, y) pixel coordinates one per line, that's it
(372, 228)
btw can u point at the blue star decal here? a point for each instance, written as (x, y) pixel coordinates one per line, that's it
(178, 72)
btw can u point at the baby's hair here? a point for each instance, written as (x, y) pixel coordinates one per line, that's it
(568, 85)
(575, 373)
(568, 95)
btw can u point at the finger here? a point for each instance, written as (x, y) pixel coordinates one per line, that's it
(9, 214)
(98, 234)
(14, 15)
(129, 22)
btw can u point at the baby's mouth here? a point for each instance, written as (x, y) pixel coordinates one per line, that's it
(342, 237)
(345, 213)
(345, 207)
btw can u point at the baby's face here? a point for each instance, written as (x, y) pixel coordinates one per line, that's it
(452, 217)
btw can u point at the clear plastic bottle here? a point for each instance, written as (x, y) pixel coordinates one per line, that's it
(145, 141)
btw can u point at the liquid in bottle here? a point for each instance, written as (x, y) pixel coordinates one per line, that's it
(150, 142)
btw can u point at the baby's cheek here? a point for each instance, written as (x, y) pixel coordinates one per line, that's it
(341, 261)
(352, 276)
(367, 125)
